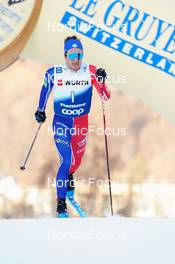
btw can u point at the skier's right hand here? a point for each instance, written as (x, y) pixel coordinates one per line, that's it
(40, 116)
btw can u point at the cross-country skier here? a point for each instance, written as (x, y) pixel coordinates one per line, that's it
(72, 84)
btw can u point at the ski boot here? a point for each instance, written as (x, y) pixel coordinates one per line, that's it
(62, 209)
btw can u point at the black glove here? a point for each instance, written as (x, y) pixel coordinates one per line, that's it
(101, 75)
(40, 116)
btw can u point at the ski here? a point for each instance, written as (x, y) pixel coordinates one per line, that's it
(75, 205)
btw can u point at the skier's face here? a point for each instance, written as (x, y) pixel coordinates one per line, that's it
(74, 59)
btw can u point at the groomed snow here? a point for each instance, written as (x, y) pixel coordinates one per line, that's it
(90, 240)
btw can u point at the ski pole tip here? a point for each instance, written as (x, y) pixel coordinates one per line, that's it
(22, 168)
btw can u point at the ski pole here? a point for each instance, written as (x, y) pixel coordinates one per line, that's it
(23, 167)
(107, 155)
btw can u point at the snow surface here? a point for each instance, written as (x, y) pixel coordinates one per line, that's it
(88, 240)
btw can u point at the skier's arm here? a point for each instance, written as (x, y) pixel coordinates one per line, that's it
(44, 95)
(46, 89)
(101, 87)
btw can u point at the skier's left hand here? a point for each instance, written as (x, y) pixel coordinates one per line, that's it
(101, 75)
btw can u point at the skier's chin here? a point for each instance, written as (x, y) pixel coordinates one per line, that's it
(75, 66)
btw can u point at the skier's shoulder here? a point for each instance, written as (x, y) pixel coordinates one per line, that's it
(50, 71)
(92, 68)
(49, 75)
(55, 69)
